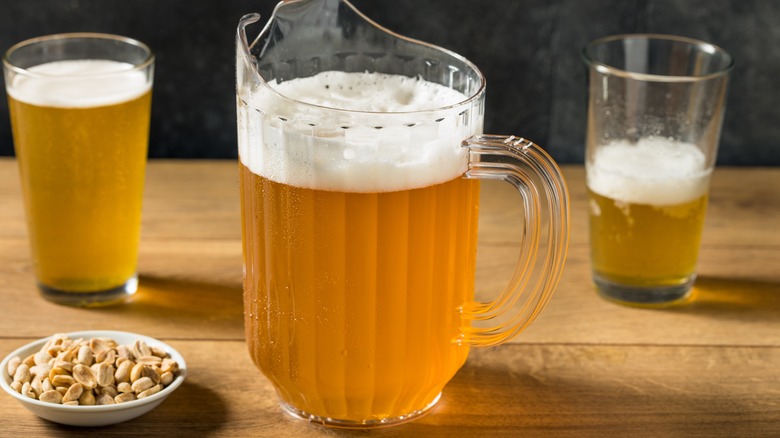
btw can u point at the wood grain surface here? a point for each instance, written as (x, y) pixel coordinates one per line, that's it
(586, 367)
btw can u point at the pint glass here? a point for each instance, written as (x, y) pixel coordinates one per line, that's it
(80, 107)
(360, 198)
(654, 118)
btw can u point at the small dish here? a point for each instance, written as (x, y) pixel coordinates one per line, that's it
(102, 415)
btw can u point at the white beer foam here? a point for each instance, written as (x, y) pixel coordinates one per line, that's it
(79, 84)
(654, 171)
(310, 148)
(369, 92)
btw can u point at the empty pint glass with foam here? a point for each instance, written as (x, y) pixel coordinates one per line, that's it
(360, 160)
(654, 119)
(80, 107)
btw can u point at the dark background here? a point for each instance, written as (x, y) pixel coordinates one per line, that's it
(527, 49)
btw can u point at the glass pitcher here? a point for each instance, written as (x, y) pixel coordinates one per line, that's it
(360, 221)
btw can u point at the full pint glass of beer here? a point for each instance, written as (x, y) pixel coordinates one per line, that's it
(80, 109)
(654, 119)
(360, 159)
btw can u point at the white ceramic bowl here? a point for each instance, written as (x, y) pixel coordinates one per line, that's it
(93, 415)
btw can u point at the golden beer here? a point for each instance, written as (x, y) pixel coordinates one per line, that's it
(344, 293)
(640, 245)
(82, 159)
(647, 204)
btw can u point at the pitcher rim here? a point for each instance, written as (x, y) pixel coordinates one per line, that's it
(254, 17)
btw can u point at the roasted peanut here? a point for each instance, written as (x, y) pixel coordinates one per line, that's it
(149, 360)
(152, 373)
(28, 391)
(105, 374)
(66, 366)
(29, 361)
(13, 364)
(58, 371)
(37, 386)
(85, 355)
(99, 345)
(124, 352)
(110, 357)
(87, 398)
(110, 390)
(141, 349)
(63, 380)
(74, 392)
(84, 375)
(125, 397)
(151, 391)
(22, 373)
(46, 385)
(169, 365)
(142, 384)
(51, 397)
(135, 373)
(122, 373)
(124, 387)
(159, 352)
(104, 399)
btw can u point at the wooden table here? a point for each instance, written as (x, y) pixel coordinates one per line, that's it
(587, 367)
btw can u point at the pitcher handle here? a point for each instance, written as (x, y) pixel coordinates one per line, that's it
(545, 229)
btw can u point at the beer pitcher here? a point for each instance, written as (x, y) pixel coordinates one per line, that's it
(360, 226)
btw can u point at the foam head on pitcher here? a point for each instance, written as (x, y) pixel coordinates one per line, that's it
(369, 92)
(356, 132)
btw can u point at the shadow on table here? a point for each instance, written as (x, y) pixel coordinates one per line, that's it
(735, 298)
(498, 394)
(189, 300)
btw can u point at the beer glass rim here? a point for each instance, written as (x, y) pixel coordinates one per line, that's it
(247, 55)
(587, 54)
(136, 66)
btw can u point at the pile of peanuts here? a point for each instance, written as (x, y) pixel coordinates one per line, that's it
(96, 371)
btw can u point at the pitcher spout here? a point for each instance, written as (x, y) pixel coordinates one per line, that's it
(305, 37)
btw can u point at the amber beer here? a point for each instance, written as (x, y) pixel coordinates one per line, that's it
(359, 249)
(647, 208)
(81, 147)
(344, 291)
(645, 245)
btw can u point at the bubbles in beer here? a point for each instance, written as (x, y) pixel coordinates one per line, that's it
(372, 92)
(418, 145)
(654, 171)
(79, 84)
